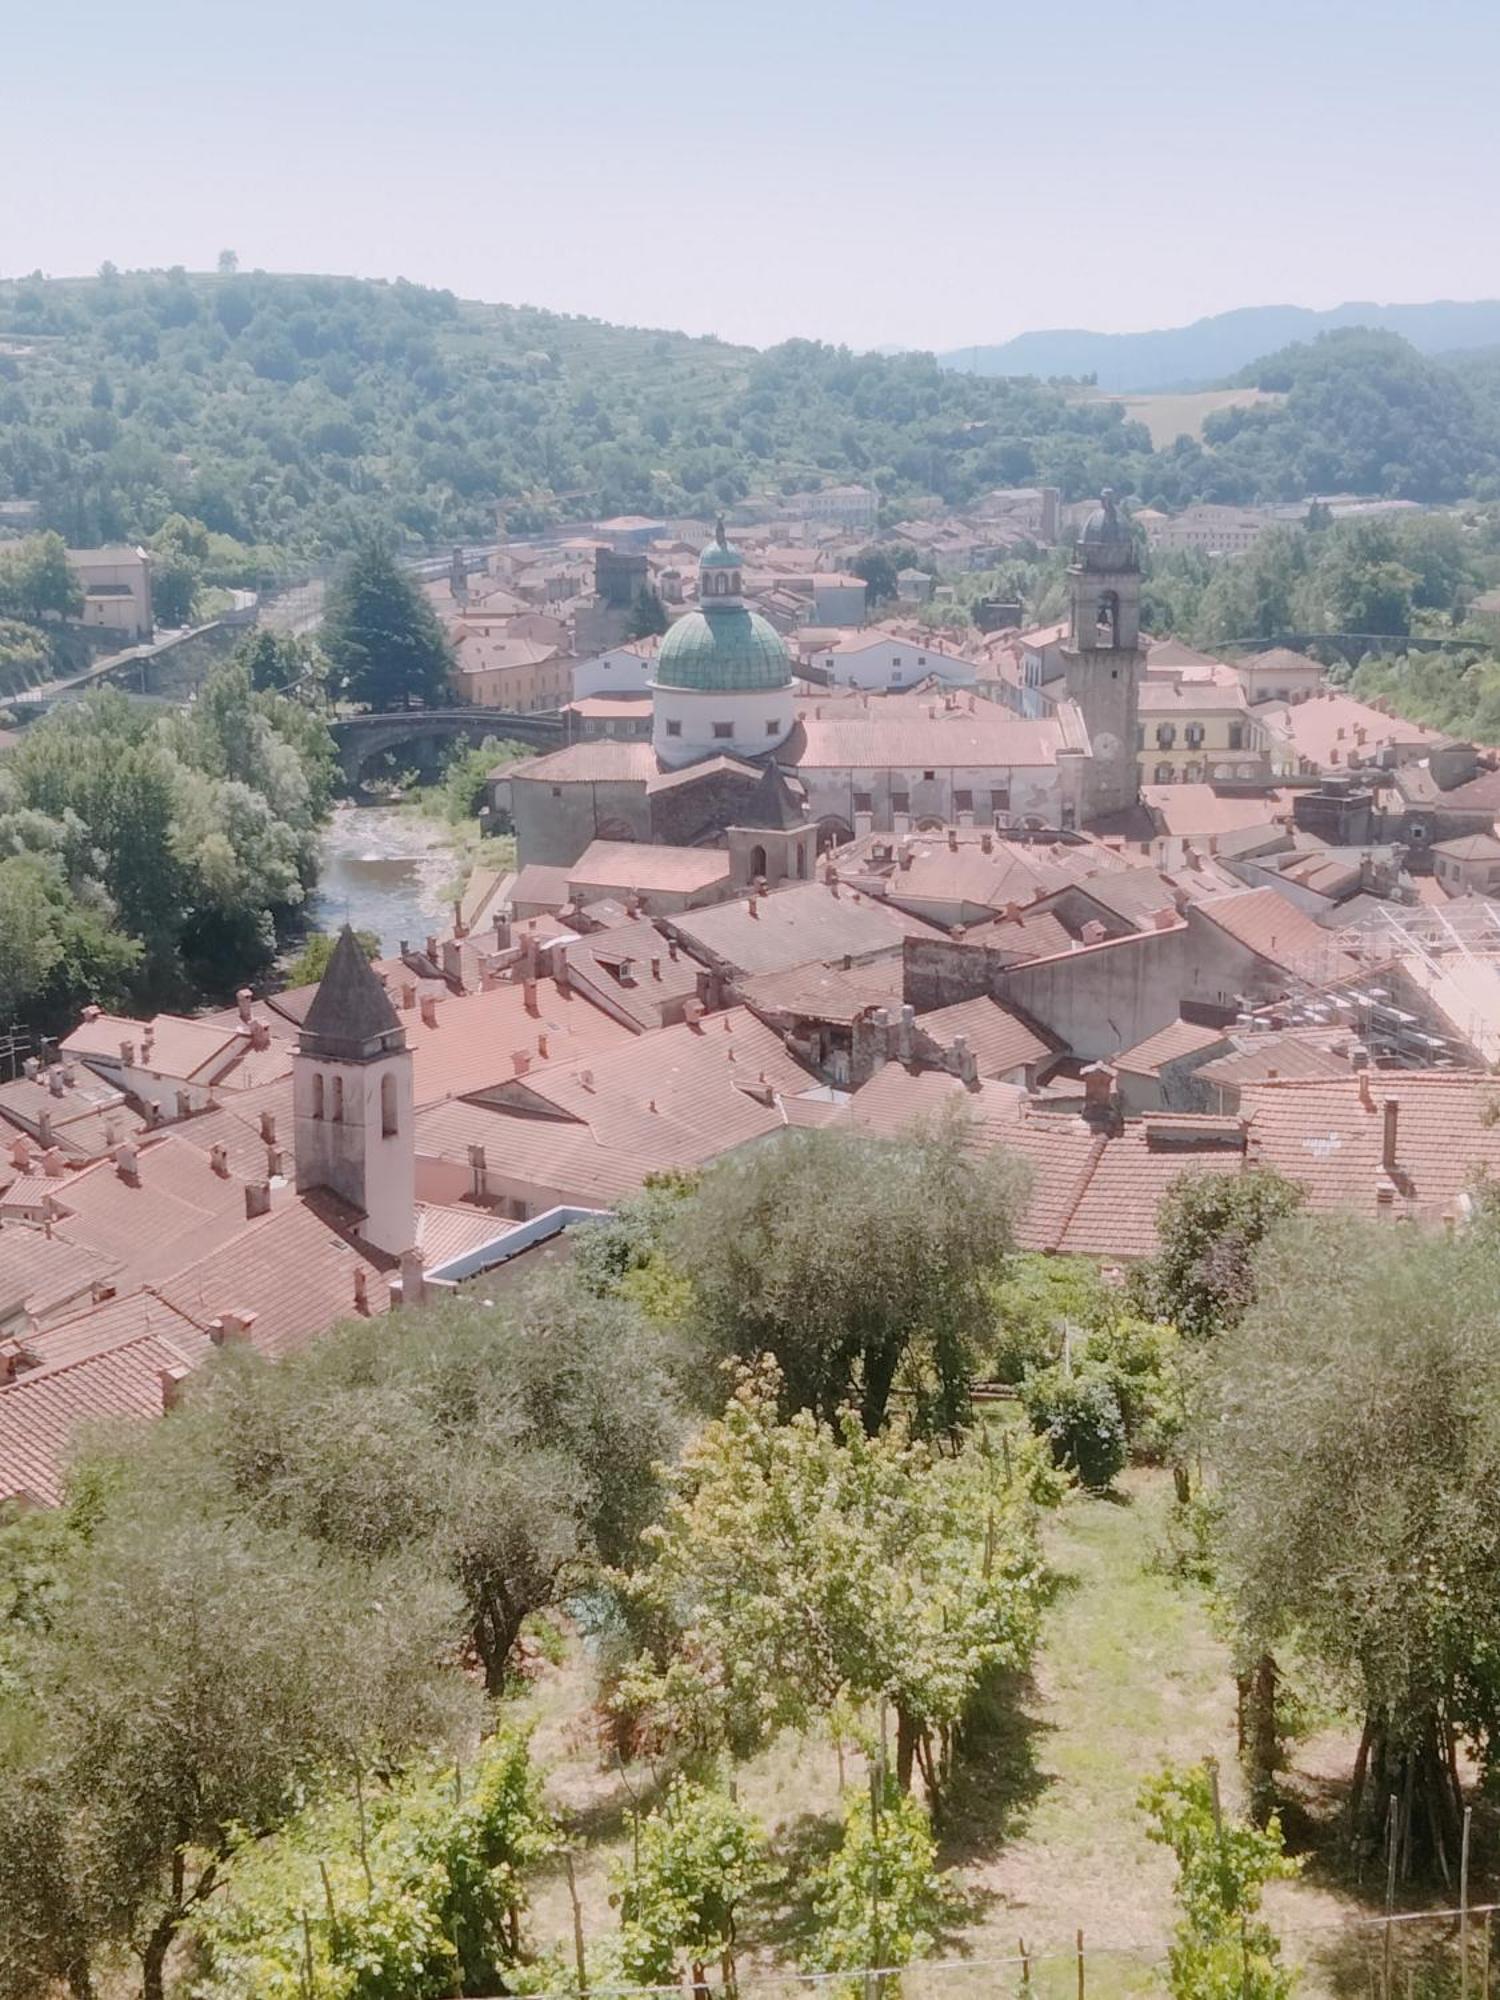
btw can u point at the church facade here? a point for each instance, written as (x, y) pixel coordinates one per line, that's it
(734, 744)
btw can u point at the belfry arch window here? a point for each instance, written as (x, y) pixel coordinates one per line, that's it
(338, 1100)
(388, 1107)
(1107, 617)
(317, 1095)
(757, 862)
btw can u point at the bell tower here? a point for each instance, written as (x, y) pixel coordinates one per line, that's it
(1101, 657)
(352, 1100)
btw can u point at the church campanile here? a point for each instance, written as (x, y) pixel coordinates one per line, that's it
(1102, 658)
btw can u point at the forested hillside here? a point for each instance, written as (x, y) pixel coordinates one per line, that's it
(290, 414)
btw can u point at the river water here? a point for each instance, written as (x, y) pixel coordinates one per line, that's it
(385, 871)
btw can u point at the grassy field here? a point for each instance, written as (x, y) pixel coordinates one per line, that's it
(1045, 1837)
(1169, 416)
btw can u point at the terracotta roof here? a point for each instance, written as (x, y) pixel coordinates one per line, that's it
(42, 1276)
(999, 1039)
(1264, 922)
(443, 1233)
(1293, 1053)
(236, 1126)
(804, 924)
(103, 1326)
(647, 866)
(825, 992)
(541, 883)
(478, 1037)
(1322, 729)
(986, 736)
(1034, 934)
(601, 761)
(294, 1268)
(1327, 1136)
(1114, 1214)
(41, 1412)
(1191, 697)
(1467, 847)
(631, 968)
(1194, 811)
(169, 1045)
(593, 1130)
(178, 1205)
(1170, 1044)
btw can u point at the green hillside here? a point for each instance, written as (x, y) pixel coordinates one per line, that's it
(293, 413)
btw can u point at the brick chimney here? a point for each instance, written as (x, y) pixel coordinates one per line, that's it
(528, 990)
(171, 1380)
(1101, 1097)
(218, 1159)
(243, 1000)
(268, 1128)
(54, 1166)
(184, 1103)
(257, 1199)
(1390, 1109)
(361, 1289)
(55, 1080)
(44, 1127)
(429, 1009)
(128, 1165)
(230, 1326)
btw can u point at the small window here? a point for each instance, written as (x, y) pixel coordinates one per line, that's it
(928, 777)
(901, 802)
(674, 729)
(557, 791)
(1236, 735)
(1164, 774)
(388, 1107)
(963, 802)
(1166, 735)
(1000, 799)
(723, 731)
(864, 802)
(318, 1095)
(773, 729)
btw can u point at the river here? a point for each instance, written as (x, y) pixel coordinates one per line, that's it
(385, 871)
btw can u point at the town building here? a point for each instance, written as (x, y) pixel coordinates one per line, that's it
(883, 662)
(116, 586)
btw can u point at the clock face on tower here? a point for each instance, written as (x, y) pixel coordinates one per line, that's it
(1106, 746)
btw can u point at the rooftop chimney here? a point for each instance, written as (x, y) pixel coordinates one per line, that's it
(183, 1099)
(31, 1069)
(231, 1326)
(243, 1000)
(520, 1061)
(275, 1163)
(477, 1165)
(218, 1159)
(413, 1286)
(127, 1054)
(171, 1380)
(44, 1127)
(751, 908)
(528, 990)
(986, 842)
(91, 1013)
(54, 1166)
(128, 1165)
(1391, 1108)
(543, 1046)
(55, 1081)
(257, 1199)
(1366, 1094)
(260, 1035)
(361, 1289)
(429, 1010)
(268, 1128)
(953, 840)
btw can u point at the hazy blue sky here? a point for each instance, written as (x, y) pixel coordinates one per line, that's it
(931, 174)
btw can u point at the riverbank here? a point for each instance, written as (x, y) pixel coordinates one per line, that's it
(390, 870)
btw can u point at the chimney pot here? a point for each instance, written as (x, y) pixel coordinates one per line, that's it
(413, 1284)
(128, 1165)
(268, 1128)
(243, 1000)
(218, 1159)
(429, 1009)
(257, 1198)
(184, 1102)
(361, 1289)
(171, 1380)
(528, 989)
(55, 1081)
(54, 1166)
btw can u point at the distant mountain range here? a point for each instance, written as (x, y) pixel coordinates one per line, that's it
(1182, 357)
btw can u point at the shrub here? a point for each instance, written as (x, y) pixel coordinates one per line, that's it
(1078, 1411)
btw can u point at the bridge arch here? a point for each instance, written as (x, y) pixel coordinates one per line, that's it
(362, 737)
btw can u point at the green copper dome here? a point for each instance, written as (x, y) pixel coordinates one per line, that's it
(720, 552)
(723, 650)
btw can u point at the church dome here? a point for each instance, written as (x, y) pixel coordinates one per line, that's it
(1105, 540)
(721, 650)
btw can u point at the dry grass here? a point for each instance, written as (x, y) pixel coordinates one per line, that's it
(1170, 415)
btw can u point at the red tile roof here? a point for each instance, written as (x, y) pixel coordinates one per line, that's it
(42, 1412)
(1170, 1044)
(1264, 922)
(478, 1037)
(180, 1206)
(999, 1039)
(630, 864)
(805, 924)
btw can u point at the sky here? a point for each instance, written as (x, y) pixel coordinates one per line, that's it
(875, 172)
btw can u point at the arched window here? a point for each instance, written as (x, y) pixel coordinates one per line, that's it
(1107, 617)
(1164, 774)
(757, 862)
(388, 1107)
(338, 1100)
(318, 1095)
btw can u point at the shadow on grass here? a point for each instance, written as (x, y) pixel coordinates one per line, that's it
(997, 1779)
(638, 1788)
(781, 1912)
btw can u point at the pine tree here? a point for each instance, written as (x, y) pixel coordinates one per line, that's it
(383, 641)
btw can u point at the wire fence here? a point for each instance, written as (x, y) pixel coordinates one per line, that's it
(1421, 1955)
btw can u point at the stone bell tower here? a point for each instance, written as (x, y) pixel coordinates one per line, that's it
(352, 1100)
(1101, 657)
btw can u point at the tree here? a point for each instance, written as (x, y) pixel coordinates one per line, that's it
(56, 953)
(881, 1899)
(798, 1566)
(276, 661)
(512, 1452)
(382, 639)
(195, 1678)
(1078, 1412)
(859, 1263)
(36, 581)
(1221, 1948)
(410, 1891)
(228, 263)
(1352, 1424)
(1210, 1226)
(649, 616)
(466, 779)
(308, 967)
(698, 1856)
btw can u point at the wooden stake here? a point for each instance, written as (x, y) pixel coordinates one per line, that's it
(364, 1851)
(578, 1954)
(307, 1957)
(1463, 1905)
(1078, 1945)
(1392, 1824)
(1025, 1966)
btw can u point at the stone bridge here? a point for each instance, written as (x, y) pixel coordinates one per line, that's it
(426, 732)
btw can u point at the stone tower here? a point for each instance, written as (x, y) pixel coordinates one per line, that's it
(352, 1100)
(1101, 657)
